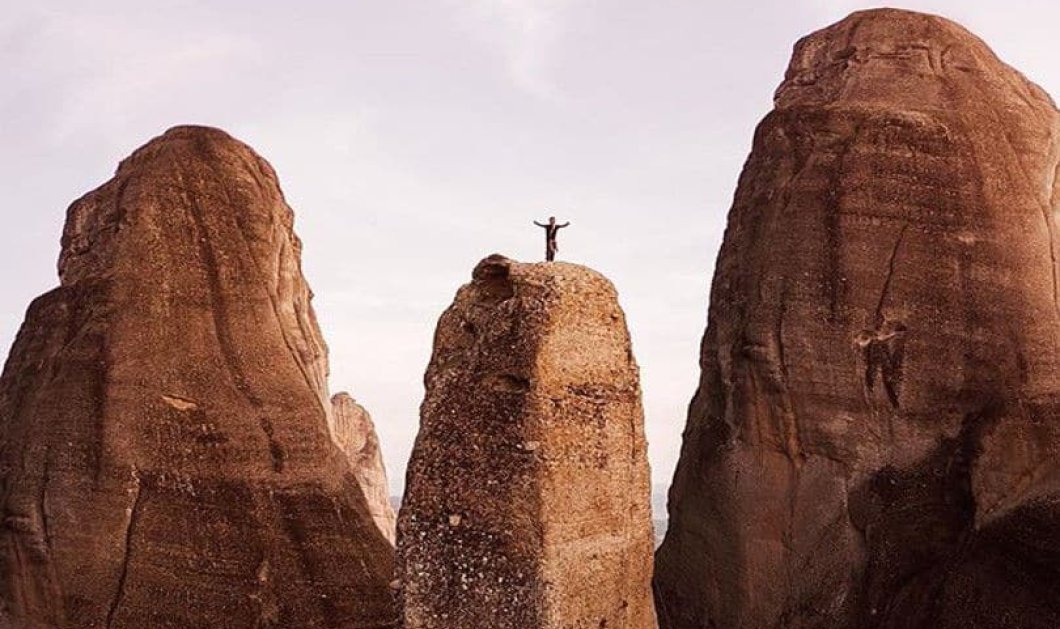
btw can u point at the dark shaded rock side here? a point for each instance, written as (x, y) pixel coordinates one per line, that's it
(874, 440)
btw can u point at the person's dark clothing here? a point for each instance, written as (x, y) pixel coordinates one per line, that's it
(551, 229)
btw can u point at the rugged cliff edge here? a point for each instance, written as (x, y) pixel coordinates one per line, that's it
(874, 440)
(164, 449)
(354, 432)
(527, 502)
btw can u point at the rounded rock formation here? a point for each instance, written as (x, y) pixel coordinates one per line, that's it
(164, 449)
(874, 440)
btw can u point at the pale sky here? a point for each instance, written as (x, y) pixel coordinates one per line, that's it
(414, 137)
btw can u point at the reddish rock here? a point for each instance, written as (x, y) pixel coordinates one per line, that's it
(874, 442)
(165, 456)
(527, 503)
(352, 429)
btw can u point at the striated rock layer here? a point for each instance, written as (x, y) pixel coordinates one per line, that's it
(874, 440)
(164, 448)
(527, 500)
(352, 429)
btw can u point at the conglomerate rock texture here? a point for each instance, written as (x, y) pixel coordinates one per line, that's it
(164, 449)
(527, 501)
(874, 441)
(353, 430)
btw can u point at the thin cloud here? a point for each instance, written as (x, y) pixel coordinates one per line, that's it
(525, 32)
(106, 68)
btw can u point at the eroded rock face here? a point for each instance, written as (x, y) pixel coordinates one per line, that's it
(352, 429)
(874, 439)
(165, 459)
(527, 498)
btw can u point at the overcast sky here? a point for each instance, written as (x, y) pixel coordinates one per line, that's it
(414, 137)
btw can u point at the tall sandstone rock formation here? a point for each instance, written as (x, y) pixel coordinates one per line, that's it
(874, 441)
(164, 448)
(354, 432)
(527, 503)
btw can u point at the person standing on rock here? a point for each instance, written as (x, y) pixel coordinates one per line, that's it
(551, 229)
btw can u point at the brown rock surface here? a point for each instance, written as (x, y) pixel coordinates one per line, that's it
(164, 447)
(352, 429)
(874, 440)
(527, 503)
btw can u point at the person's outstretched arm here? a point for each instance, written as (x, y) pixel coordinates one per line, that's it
(563, 225)
(539, 224)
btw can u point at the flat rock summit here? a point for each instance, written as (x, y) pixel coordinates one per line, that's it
(527, 500)
(874, 442)
(165, 454)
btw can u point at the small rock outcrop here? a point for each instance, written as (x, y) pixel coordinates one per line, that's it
(874, 441)
(165, 456)
(352, 429)
(527, 499)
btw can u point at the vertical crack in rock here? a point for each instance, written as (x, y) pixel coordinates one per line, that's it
(42, 501)
(778, 333)
(891, 260)
(130, 532)
(923, 493)
(883, 347)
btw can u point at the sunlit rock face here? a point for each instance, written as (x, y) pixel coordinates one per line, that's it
(165, 455)
(354, 432)
(874, 440)
(527, 500)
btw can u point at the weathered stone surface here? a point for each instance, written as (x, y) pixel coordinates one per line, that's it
(164, 448)
(874, 440)
(352, 429)
(527, 501)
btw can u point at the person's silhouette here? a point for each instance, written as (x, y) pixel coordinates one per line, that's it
(551, 228)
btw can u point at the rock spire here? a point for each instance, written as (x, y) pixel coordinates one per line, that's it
(527, 501)
(354, 432)
(874, 439)
(164, 448)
